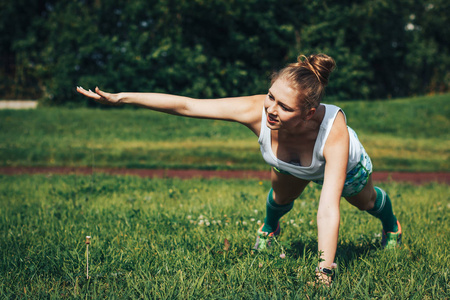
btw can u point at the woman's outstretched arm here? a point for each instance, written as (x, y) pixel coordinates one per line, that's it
(245, 110)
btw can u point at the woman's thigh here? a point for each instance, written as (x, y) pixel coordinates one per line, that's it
(365, 199)
(286, 188)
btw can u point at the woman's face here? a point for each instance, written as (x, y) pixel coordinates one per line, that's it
(283, 109)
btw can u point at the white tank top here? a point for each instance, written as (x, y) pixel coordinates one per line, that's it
(317, 168)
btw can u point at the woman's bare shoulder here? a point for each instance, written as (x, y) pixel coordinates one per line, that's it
(251, 116)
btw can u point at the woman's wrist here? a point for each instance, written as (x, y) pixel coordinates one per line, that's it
(326, 271)
(122, 99)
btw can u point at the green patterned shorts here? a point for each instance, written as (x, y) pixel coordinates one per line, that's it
(357, 178)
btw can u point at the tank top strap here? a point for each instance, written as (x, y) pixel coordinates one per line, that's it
(264, 129)
(331, 112)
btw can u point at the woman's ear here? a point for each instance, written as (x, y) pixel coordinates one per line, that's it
(310, 113)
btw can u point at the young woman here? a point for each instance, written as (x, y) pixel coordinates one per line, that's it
(303, 140)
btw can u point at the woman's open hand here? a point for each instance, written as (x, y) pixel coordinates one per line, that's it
(100, 96)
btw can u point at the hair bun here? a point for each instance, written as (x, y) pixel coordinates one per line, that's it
(320, 64)
(309, 77)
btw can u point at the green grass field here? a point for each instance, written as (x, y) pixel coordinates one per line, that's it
(166, 239)
(400, 135)
(171, 238)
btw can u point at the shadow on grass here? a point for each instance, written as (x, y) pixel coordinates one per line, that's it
(347, 251)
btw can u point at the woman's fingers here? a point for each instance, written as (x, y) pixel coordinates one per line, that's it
(102, 94)
(99, 96)
(89, 93)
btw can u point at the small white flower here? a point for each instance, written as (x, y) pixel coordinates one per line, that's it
(201, 222)
(189, 217)
(252, 219)
(258, 222)
(237, 223)
(292, 221)
(207, 223)
(201, 217)
(244, 223)
(214, 222)
(255, 211)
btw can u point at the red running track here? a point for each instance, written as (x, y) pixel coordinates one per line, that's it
(412, 177)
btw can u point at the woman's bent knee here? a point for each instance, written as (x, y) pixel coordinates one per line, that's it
(283, 199)
(364, 200)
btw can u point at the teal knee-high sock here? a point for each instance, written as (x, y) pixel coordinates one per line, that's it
(274, 212)
(383, 211)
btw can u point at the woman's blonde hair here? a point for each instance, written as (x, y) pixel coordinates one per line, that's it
(309, 76)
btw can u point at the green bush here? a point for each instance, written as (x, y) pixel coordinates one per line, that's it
(220, 48)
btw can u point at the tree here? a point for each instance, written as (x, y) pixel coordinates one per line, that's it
(220, 48)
